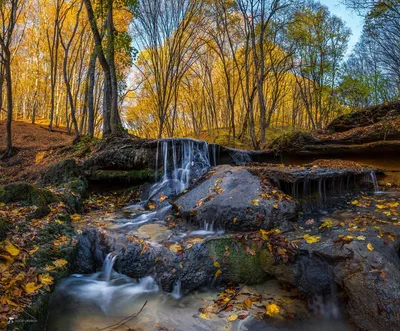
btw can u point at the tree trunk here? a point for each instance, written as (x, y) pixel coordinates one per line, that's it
(90, 96)
(7, 68)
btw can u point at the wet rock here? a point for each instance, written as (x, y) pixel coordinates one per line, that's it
(237, 264)
(123, 153)
(61, 173)
(4, 226)
(154, 232)
(369, 280)
(26, 193)
(229, 198)
(131, 177)
(91, 251)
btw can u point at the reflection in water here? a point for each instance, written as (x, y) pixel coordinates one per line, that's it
(93, 302)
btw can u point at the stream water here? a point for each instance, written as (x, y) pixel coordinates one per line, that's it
(107, 298)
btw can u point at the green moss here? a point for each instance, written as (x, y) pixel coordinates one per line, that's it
(46, 254)
(3, 229)
(237, 266)
(78, 186)
(132, 176)
(27, 194)
(289, 140)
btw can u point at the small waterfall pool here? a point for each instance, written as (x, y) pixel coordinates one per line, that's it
(108, 300)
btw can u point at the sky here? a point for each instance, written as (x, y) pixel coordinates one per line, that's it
(352, 20)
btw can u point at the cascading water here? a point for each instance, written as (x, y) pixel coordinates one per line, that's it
(374, 181)
(183, 160)
(108, 265)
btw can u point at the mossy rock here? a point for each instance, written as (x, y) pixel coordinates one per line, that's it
(237, 266)
(122, 176)
(78, 186)
(44, 256)
(4, 226)
(291, 140)
(61, 173)
(27, 194)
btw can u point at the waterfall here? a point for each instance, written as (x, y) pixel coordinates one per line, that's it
(374, 181)
(183, 161)
(108, 266)
(176, 292)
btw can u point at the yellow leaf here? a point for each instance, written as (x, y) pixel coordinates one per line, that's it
(217, 265)
(31, 287)
(60, 263)
(361, 238)
(387, 213)
(380, 206)
(248, 303)
(326, 224)
(232, 318)
(255, 202)
(311, 239)
(50, 268)
(272, 309)
(355, 202)
(175, 248)
(205, 316)
(276, 206)
(10, 248)
(76, 217)
(33, 250)
(370, 247)
(46, 279)
(218, 273)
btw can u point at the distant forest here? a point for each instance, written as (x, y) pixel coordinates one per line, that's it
(173, 68)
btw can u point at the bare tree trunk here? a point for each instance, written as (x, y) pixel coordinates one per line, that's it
(7, 68)
(90, 95)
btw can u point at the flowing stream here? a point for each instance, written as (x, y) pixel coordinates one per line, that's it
(107, 298)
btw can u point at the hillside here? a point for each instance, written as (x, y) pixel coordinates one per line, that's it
(32, 143)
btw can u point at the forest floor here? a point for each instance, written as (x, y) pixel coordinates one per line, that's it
(32, 142)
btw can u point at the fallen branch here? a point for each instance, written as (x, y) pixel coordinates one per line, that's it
(124, 320)
(233, 296)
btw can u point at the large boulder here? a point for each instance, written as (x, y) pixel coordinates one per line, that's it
(60, 173)
(234, 199)
(26, 193)
(367, 270)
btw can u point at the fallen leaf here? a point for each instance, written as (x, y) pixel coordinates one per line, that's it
(175, 248)
(60, 263)
(370, 247)
(46, 279)
(75, 217)
(218, 273)
(217, 265)
(205, 316)
(248, 303)
(311, 239)
(272, 309)
(10, 248)
(232, 318)
(326, 224)
(255, 202)
(31, 287)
